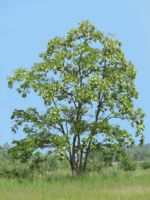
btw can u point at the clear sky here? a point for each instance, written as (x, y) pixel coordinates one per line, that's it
(27, 25)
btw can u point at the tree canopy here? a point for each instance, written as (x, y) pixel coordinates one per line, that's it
(85, 82)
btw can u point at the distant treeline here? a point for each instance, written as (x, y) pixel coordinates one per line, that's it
(139, 153)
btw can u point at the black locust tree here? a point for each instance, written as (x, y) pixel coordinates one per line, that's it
(85, 83)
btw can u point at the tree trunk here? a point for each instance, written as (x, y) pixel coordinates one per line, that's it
(76, 166)
(86, 157)
(76, 172)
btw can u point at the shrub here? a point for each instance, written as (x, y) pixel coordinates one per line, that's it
(14, 169)
(127, 164)
(102, 156)
(145, 165)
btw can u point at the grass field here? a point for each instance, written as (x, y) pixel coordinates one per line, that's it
(110, 185)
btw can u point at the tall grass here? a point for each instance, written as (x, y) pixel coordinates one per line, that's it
(51, 180)
(111, 184)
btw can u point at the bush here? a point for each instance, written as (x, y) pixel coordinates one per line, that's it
(101, 157)
(94, 165)
(39, 165)
(14, 169)
(145, 165)
(127, 164)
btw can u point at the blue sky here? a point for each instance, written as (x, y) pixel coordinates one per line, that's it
(26, 26)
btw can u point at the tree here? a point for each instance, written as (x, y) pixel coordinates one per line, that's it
(85, 83)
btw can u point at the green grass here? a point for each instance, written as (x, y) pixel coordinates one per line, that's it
(109, 185)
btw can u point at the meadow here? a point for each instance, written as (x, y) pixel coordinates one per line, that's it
(110, 184)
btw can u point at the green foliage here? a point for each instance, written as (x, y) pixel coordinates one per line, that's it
(10, 168)
(4, 151)
(127, 164)
(139, 153)
(84, 81)
(100, 157)
(145, 165)
(14, 169)
(38, 165)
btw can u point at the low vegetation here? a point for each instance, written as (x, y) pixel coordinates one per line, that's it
(110, 185)
(46, 177)
(49, 163)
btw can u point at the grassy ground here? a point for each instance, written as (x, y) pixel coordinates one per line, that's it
(109, 185)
